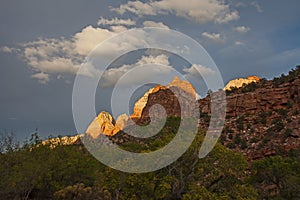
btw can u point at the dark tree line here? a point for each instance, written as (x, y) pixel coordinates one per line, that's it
(35, 171)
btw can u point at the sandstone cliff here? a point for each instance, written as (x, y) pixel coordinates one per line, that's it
(263, 120)
(66, 140)
(105, 124)
(265, 98)
(176, 99)
(237, 83)
(161, 95)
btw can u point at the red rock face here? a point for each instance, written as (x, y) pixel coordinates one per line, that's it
(262, 99)
(176, 99)
(263, 122)
(257, 138)
(142, 102)
(166, 99)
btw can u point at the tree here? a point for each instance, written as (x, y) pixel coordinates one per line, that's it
(283, 173)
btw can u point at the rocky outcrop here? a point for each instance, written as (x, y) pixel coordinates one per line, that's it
(262, 122)
(175, 99)
(105, 124)
(183, 85)
(66, 140)
(265, 98)
(142, 102)
(121, 122)
(237, 83)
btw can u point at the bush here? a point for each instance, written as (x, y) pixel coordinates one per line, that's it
(263, 115)
(240, 125)
(288, 132)
(278, 125)
(243, 144)
(251, 87)
(282, 112)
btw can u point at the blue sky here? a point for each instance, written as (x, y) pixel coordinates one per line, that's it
(43, 44)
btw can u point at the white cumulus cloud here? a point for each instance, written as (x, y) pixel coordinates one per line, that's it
(256, 5)
(47, 56)
(239, 43)
(196, 70)
(228, 17)
(242, 29)
(116, 21)
(118, 29)
(213, 36)
(112, 75)
(199, 11)
(42, 77)
(7, 49)
(155, 24)
(89, 37)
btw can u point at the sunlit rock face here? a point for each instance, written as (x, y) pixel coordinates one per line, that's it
(240, 81)
(162, 95)
(66, 140)
(121, 122)
(184, 85)
(105, 124)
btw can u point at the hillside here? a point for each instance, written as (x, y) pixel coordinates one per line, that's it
(262, 118)
(257, 156)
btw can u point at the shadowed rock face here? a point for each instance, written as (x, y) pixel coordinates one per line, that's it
(166, 96)
(142, 102)
(163, 95)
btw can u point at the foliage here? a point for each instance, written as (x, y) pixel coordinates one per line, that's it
(240, 123)
(283, 173)
(291, 76)
(37, 171)
(251, 87)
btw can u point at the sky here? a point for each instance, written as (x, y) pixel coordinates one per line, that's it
(44, 43)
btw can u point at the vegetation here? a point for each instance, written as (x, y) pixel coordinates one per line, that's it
(282, 174)
(276, 82)
(291, 76)
(36, 171)
(251, 87)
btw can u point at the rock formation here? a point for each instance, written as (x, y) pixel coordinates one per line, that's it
(240, 82)
(105, 124)
(177, 99)
(66, 140)
(142, 102)
(265, 98)
(261, 122)
(166, 96)
(184, 85)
